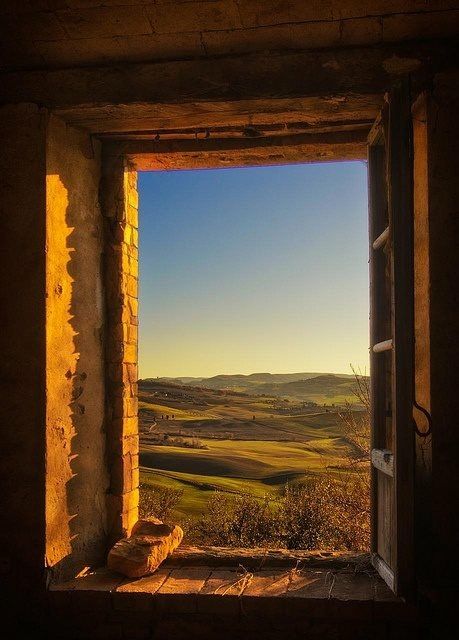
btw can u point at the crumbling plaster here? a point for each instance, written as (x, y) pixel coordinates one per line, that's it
(76, 474)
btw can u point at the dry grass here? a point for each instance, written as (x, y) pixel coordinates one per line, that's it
(327, 511)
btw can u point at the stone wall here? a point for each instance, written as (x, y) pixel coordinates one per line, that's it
(69, 33)
(120, 209)
(76, 474)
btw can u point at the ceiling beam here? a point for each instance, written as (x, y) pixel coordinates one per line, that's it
(341, 71)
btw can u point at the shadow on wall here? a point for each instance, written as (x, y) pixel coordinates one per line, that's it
(76, 475)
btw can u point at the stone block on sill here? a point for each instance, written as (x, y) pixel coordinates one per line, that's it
(149, 544)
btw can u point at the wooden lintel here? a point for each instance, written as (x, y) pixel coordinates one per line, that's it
(225, 152)
(139, 147)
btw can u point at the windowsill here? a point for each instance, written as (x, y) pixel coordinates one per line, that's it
(242, 582)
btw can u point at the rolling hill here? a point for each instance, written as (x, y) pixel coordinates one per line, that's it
(322, 388)
(240, 434)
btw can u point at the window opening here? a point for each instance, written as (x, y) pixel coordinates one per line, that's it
(254, 430)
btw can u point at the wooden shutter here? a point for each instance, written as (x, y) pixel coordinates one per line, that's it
(391, 336)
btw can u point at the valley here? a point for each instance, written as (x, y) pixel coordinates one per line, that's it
(245, 435)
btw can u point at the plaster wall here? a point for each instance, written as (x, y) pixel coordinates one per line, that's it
(76, 474)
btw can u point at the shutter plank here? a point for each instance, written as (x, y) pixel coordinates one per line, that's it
(401, 223)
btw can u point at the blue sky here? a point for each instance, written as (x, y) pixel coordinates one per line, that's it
(254, 269)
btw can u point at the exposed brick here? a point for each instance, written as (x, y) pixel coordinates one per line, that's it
(129, 444)
(133, 333)
(133, 251)
(126, 407)
(123, 477)
(130, 422)
(130, 350)
(132, 194)
(134, 267)
(131, 284)
(132, 216)
(128, 520)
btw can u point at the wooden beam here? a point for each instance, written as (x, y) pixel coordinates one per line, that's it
(150, 155)
(325, 72)
(241, 130)
(312, 112)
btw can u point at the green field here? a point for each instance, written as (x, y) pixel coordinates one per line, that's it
(202, 440)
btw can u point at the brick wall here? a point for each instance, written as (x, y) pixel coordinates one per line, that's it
(120, 209)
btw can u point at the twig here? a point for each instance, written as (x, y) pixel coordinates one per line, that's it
(242, 583)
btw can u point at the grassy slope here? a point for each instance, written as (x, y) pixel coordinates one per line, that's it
(242, 455)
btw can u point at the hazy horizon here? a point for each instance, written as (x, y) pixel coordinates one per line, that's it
(248, 270)
(253, 373)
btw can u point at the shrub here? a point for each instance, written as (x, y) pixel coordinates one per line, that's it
(327, 512)
(158, 502)
(233, 521)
